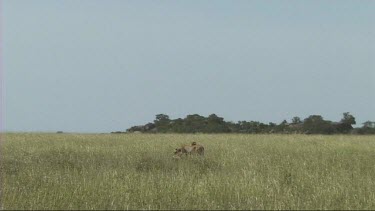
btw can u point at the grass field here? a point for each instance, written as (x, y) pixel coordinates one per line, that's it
(136, 171)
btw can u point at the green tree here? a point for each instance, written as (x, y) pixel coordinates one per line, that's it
(195, 123)
(281, 128)
(367, 128)
(369, 124)
(348, 119)
(315, 124)
(345, 125)
(216, 124)
(296, 120)
(162, 122)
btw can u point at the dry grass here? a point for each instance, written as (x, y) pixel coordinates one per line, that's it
(136, 171)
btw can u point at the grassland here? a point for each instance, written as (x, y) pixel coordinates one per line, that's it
(136, 171)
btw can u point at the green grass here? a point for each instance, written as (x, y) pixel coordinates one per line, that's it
(136, 171)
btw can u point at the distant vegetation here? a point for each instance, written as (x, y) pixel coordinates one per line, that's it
(314, 124)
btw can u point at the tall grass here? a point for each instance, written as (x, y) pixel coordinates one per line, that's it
(136, 171)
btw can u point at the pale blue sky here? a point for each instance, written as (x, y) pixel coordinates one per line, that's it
(102, 66)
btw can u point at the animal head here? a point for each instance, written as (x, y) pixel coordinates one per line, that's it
(178, 151)
(194, 143)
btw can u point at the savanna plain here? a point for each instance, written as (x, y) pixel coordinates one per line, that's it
(137, 171)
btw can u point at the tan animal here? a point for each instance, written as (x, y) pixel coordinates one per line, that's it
(193, 149)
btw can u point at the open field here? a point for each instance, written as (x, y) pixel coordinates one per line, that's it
(136, 171)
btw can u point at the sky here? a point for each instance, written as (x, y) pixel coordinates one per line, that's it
(106, 65)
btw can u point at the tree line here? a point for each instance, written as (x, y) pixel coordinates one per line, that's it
(314, 124)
